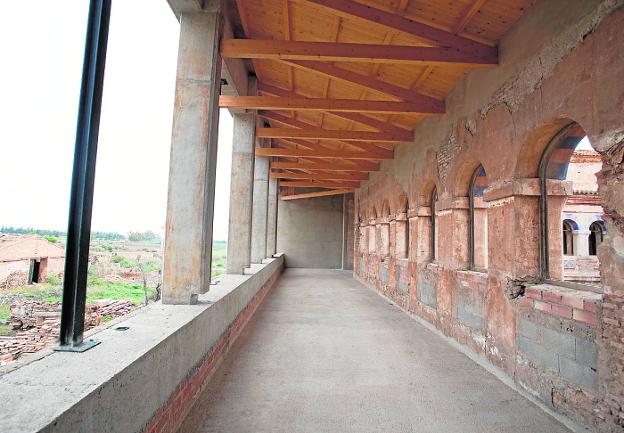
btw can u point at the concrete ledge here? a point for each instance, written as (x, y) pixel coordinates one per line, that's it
(122, 384)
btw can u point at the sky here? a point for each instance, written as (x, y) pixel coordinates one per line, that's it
(42, 46)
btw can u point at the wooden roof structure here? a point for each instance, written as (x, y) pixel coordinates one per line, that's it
(341, 82)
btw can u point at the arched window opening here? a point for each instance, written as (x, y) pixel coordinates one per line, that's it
(478, 221)
(434, 228)
(568, 239)
(402, 230)
(384, 230)
(596, 230)
(569, 204)
(372, 233)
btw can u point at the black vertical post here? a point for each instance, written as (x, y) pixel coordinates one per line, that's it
(83, 177)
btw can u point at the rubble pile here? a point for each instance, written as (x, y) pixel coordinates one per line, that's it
(37, 324)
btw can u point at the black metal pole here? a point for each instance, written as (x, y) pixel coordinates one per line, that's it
(83, 177)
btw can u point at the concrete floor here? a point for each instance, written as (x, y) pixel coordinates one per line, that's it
(325, 354)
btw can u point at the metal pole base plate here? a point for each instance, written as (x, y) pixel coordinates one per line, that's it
(86, 345)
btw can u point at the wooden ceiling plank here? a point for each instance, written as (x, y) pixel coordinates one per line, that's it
(341, 175)
(351, 9)
(367, 148)
(348, 52)
(467, 15)
(339, 166)
(320, 154)
(317, 194)
(320, 104)
(295, 123)
(354, 117)
(327, 134)
(325, 184)
(403, 134)
(368, 82)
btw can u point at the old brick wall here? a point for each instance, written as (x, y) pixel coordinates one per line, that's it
(561, 63)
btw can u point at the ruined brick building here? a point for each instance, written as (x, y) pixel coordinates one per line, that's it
(431, 148)
(27, 259)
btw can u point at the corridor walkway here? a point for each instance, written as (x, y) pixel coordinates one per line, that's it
(325, 354)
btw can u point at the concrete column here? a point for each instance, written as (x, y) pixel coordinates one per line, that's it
(271, 243)
(190, 202)
(348, 231)
(260, 208)
(241, 193)
(581, 242)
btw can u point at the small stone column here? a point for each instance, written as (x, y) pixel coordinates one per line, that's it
(241, 193)
(190, 202)
(581, 242)
(271, 243)
(260, 209)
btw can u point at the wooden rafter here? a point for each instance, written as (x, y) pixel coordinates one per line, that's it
(319, 104)
(320, 176)
(326, 134)
(317, 194)
(346, 52)
(355, 117)
(368, 82)
(368, 148)
(322, 154)
(325, 184)
(352, 9)
(296, 123)
(334, 166)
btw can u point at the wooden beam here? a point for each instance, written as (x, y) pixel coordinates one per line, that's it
(351, 9)
(338, 166)
(296, 123)
(327, 134)
(323, 154)
(345, 52)
(355, 117)
(319, 104)
(317, 194)
(320, 176)
(373, 151)
(312, 184)
(370, 83)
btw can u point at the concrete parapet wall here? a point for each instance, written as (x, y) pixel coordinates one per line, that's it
(140, 379)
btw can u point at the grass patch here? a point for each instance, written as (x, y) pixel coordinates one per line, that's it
(5, 313)
(97, 289)
(118, 291)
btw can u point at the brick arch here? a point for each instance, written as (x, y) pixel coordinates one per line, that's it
(402, 203)
(385, 208)
(533, 147)
(462, 177)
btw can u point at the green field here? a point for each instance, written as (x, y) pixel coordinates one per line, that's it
(219, 254)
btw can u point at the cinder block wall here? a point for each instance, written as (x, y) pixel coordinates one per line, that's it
(560, 63)
(310, 232)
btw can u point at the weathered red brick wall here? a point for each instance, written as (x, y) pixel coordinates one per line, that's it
(561, 63)
(171, 415)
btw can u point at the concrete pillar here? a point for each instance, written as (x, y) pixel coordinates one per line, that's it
(260, 208)
(581, 242)
(241, 193)
(348, 231)
(190, 202)
(271, 243)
